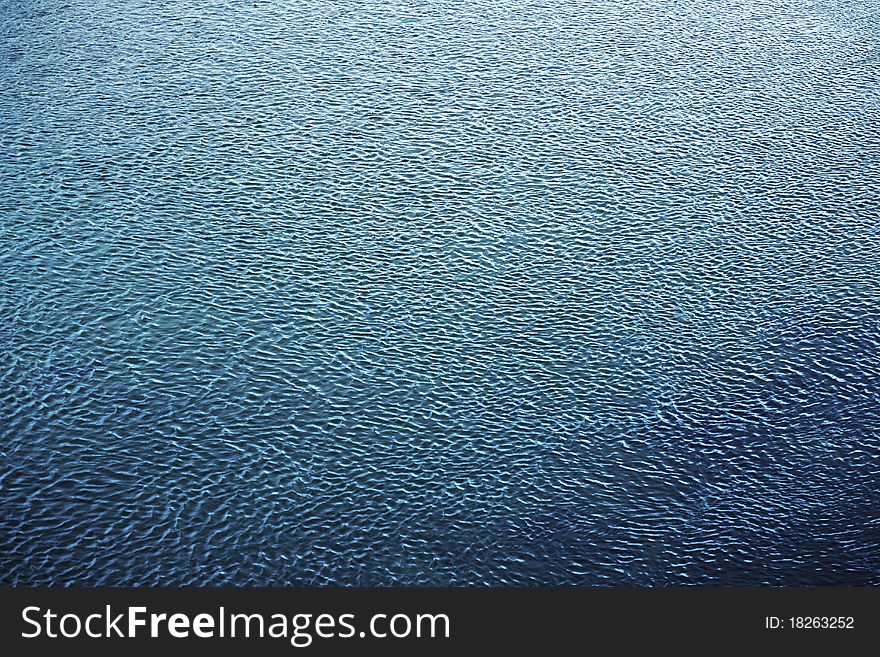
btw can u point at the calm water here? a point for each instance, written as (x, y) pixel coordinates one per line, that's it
(458, 292)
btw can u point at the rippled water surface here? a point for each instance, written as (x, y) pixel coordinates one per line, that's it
(456, 292)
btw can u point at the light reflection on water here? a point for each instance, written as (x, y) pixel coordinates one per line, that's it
(439, 293)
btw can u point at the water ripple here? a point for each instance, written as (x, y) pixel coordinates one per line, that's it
(448, 292)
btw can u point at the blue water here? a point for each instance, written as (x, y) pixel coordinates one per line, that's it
(456, 292)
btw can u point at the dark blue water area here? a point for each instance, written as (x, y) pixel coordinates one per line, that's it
(461, 292)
